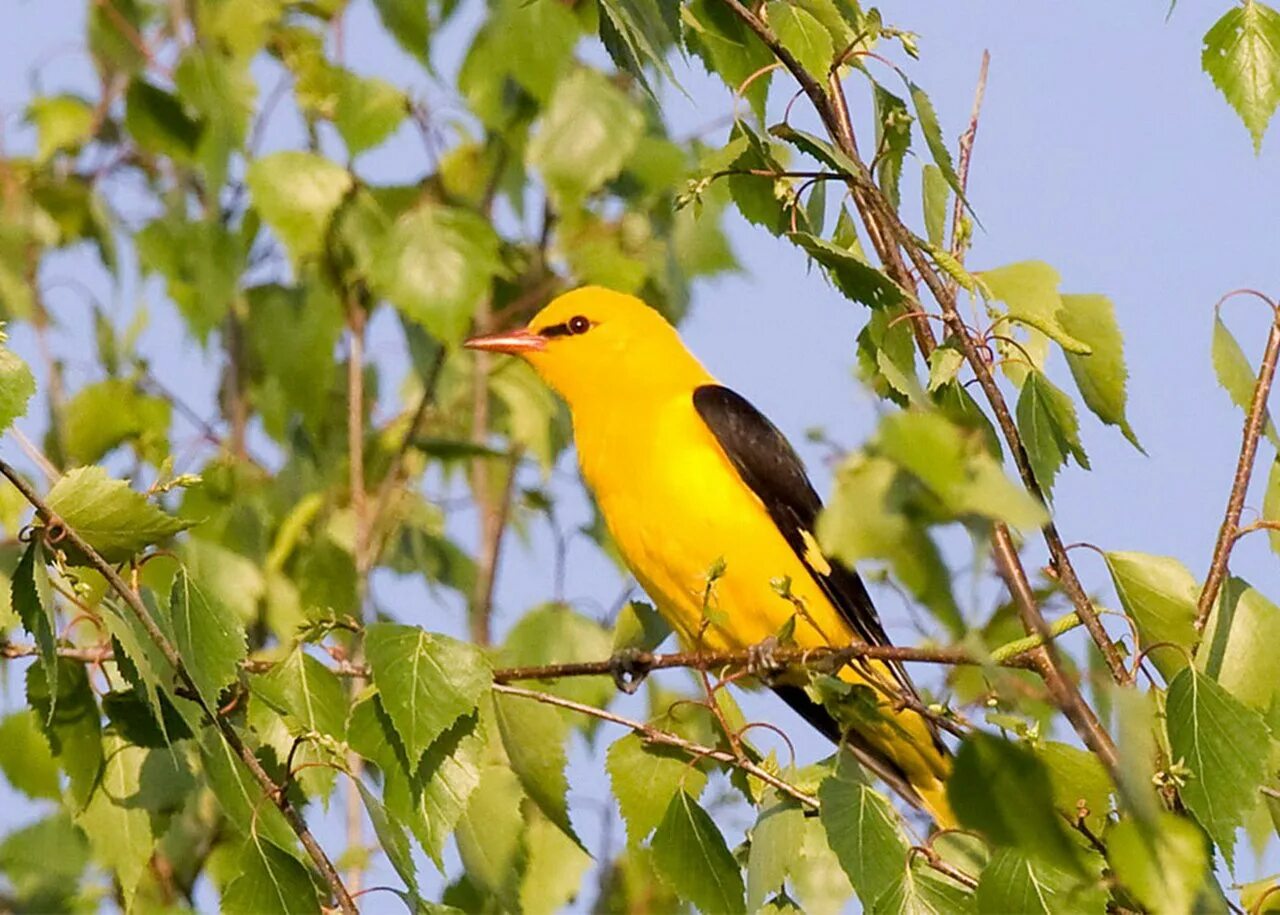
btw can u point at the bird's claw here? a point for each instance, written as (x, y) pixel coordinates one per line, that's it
(629, 667)
(760, 658)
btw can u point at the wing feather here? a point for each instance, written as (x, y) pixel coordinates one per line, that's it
(771, 469)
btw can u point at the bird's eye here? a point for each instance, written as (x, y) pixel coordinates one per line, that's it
(579, 325)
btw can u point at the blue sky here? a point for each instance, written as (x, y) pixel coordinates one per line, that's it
(1103, 149)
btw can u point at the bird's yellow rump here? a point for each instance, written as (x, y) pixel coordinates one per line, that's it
(689, 476)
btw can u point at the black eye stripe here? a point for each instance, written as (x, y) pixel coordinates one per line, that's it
(555, 330)
(575, 325)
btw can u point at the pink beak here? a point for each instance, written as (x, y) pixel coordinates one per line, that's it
(514, 342)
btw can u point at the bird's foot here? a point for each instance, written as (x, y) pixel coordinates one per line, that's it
(629, 668)
(760, 658)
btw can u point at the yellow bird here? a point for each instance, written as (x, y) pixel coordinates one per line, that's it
(689, 477)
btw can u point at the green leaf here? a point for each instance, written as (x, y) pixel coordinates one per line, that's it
(854, 277)
(935, 194)
(893, 140)
(778, 832)
(1136, 726)
(1029, 290)
(158, 123)
(269, 881)
(32, 599)
(491, 834)
(391, 836)
(692, 858)
(62, 122)
(644, 780)
(1080, 782)
(503, 68)
(803, 35)
(75, 731)
(554, 868)
(1237, 648)
(435, 266)
(822, 150)
(727, 48)
(1100, 375)
(944, 364)
(866, 518)
(1242, 57)
(1013, 882)
(1271, 504)
(44, 863)
(1225, 745)
(1003, 791)
(116, 521)
(1159, 594)
(17, 384)
(866, 835)
(1163, 867)
(118, 827)
(921, 891)
(588, 131)
(208, 636)
(409, 24)
(222, 91)
(932, 131)
(368, 111)
(297, 194)
(307, 691)
(966, 478)
(427, 681)
(431, 798)
(105, 415)
(1050, 431)
(637, 33)
(1235, 374)
(534, 736)
(25, 759)
(248, 811)
(447, 776)
(641, 627)
(201, 262)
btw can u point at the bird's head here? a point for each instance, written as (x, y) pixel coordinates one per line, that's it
(594, 344)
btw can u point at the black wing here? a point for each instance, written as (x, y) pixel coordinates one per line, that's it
(772, 470)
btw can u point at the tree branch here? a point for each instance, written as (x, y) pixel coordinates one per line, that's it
(1065, 693)
(1255, 421)
(225, 728)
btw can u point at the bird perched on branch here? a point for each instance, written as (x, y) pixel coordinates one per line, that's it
(711, 508)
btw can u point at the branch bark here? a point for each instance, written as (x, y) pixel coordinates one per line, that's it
(1255, 421)
(225, 728)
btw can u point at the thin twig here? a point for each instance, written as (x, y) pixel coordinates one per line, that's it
(391, 482)
(960, 240)
(1255, 421)
(171, 655)
(354, 812)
